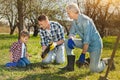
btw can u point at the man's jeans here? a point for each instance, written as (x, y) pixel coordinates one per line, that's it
(95, 64)
(57, 54)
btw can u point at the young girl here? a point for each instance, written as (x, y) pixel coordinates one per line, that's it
(18, 52)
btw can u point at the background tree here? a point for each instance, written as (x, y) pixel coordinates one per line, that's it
(100, 11)
(24, 13)
(9, 12)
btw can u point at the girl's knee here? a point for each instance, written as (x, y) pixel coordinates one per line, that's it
(21, 63)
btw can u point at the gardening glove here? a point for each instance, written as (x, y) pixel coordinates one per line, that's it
(82, 58)
(46, 51)
(53, 45)
(50, 47)
(71, 43)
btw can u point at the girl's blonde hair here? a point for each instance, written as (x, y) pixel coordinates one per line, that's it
(24, 33)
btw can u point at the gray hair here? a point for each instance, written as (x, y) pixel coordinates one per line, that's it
(73, 7)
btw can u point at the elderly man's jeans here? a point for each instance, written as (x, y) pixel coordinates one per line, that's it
(95, 64)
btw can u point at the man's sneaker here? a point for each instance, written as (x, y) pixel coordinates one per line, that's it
(107, 62)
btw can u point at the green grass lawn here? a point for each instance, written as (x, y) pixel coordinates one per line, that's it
(51, 71)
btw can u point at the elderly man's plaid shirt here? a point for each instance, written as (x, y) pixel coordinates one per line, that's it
(56, 34)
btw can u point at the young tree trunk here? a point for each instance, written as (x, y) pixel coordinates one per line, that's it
(35, 31)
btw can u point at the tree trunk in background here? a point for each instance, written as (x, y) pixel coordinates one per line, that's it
(35, 31)
(20, 16)
(102, 32)
(12, 30)
(66, 30)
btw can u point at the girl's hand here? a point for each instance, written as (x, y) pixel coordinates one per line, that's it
(28, 55)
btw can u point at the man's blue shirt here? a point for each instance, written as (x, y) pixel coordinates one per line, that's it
(85, 28)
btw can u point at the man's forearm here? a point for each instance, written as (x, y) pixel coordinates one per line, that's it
(60, 42)
(43, 48)
(85, 48)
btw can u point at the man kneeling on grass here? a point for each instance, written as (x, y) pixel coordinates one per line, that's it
(18, 52)
(52, 32)
(90, 41)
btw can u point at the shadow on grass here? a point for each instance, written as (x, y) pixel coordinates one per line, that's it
(4, 47)
(108, 45)
(29, 67)
(54, 76)
(75, 77)
(45, 76)
(59, 75)
(7, 36)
